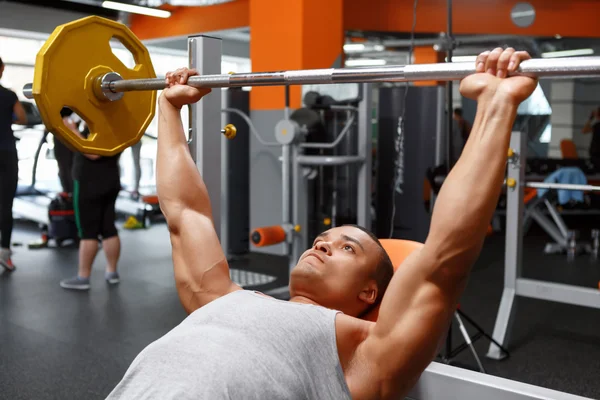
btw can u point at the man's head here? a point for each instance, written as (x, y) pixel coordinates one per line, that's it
(346, 269)
(458, 114)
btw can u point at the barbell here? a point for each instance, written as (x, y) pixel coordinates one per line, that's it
(76, 68)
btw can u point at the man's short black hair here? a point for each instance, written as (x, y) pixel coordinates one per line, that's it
(1, 63)
(458, 111)
(384, 270)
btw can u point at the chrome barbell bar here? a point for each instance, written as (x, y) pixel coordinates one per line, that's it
(556, 68)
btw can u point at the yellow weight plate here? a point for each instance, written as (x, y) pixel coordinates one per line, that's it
(66, 67)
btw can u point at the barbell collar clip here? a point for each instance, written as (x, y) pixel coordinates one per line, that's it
(105, 82)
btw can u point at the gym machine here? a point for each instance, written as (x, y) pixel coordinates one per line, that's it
(437, 381)
(31, 203)
(299, 225)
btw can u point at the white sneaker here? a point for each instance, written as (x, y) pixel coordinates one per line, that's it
(5, 260)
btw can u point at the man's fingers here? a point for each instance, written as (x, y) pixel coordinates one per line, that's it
(179, 77)
(480, 62)
(492, 61)
(516, 59)
(503, 61)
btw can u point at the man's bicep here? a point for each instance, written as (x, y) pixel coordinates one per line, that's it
(200, 266)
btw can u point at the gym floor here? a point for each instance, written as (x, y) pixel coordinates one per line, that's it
(61, 344)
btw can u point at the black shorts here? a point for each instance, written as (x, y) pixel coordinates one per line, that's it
(94, 210)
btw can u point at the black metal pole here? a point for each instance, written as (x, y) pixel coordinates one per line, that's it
(449, 87)
(449, 155)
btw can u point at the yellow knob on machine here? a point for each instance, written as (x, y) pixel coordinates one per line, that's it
(229, 131)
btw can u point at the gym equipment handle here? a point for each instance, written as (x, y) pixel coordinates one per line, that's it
(568, 67)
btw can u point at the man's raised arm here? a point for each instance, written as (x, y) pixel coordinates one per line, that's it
(422, 296)
(200, 266)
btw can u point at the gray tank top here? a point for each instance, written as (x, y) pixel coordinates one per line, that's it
(242, 346)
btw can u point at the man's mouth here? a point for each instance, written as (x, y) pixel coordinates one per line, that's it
(315, 256)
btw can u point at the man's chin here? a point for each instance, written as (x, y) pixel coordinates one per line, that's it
(309, 264)
(306, 270)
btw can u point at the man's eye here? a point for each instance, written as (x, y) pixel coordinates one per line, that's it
(348, 247)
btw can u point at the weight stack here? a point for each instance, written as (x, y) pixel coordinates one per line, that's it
(411, 218)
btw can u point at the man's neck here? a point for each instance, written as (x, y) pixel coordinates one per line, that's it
(303, 300)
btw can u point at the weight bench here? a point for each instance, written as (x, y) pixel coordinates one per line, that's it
(554, 225)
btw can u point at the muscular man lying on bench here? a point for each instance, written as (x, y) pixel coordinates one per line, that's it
(240, 344)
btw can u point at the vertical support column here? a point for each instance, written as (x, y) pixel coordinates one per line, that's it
(514, 243)
(365, 144)
(440, 134)
(224, 236)
(563, 122)
(285, 190)
(204, 136)
(299, 208)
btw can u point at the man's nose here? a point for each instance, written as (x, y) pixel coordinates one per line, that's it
(324, 247)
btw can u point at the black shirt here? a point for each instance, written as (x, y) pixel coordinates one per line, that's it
(8, 98)
(103, 173)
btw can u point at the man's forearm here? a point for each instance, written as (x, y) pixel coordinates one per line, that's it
(179, 184)
(469, 196)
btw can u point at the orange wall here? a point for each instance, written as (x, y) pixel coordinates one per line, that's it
(576, 18)
(579, 18)
(292, 34)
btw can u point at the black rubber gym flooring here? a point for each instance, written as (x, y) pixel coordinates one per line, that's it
(69, 345)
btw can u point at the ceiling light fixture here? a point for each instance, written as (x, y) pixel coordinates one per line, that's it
(196, 3)
(129, 8)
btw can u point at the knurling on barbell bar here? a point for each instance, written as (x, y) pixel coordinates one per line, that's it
(76, 68)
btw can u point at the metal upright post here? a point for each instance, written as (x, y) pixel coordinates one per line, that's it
(224, 237)
(204, 136)
(514, 243)
(365, 144)
(299, 207)
(449, 89)
(440, 136)
(285, 192)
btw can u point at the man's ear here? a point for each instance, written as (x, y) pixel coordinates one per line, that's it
(369, 293)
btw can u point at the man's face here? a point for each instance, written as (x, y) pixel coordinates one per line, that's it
(336, 272)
